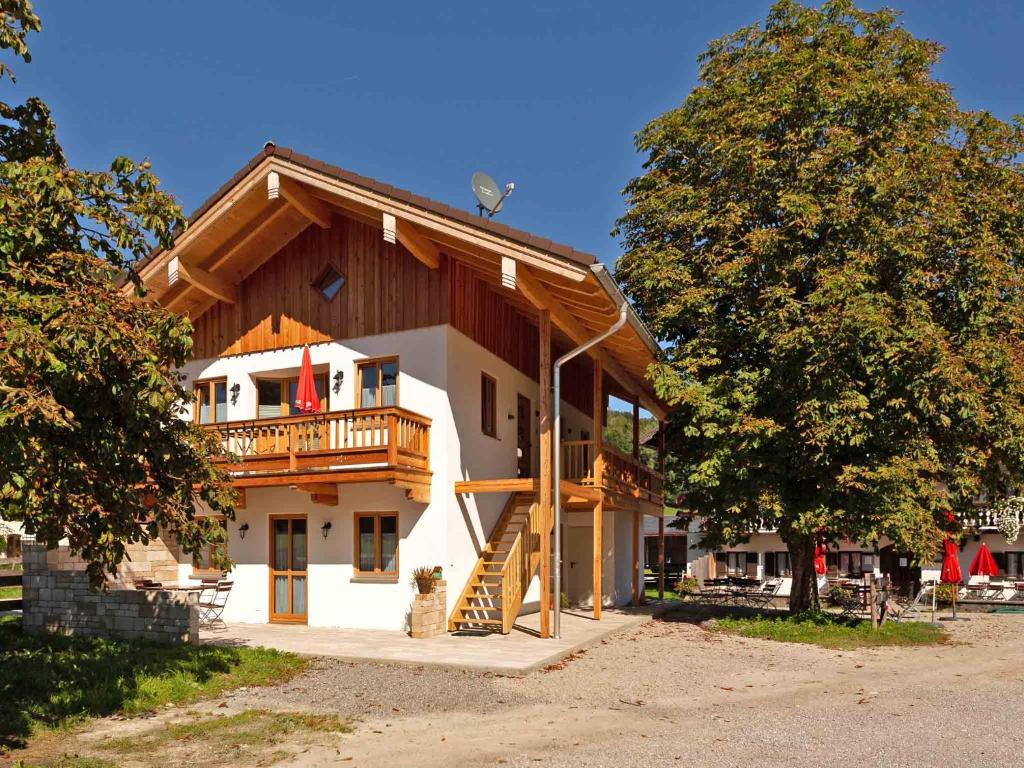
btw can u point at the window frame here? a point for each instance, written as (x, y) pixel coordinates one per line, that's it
(315, 285)
(486, 378)
(285, 402)
(208, 549)
(378, 555)
(379, 363)
(210, 385)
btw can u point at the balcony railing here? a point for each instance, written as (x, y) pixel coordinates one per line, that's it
(390, 437)
(622, 474)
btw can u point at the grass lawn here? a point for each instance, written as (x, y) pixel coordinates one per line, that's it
(7, 593)
(651, 593)
(51, 681)
(831, 632)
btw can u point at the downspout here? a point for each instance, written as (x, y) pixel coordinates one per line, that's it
(623, 315)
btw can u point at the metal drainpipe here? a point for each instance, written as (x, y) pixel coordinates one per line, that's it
(557, 378)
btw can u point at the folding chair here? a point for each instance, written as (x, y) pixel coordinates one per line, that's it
(212, 599)
(762, 598)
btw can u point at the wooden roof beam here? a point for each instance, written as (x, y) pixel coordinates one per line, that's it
(539, 296)
(414, 241)
(210, 284)
(311, 207)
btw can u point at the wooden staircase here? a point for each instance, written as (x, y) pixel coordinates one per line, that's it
(494, 593)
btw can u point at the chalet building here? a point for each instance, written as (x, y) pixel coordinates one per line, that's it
(431, 334)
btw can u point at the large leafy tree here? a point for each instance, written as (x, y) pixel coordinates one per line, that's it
(92, 446)
(832, 248)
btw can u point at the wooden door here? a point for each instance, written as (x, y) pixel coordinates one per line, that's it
(524, 448)
(289, 548)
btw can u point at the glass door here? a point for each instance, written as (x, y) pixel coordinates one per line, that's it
(288, 560)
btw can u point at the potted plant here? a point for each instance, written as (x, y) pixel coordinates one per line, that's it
(424, 579)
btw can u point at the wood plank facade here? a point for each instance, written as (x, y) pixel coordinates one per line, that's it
(386, 290)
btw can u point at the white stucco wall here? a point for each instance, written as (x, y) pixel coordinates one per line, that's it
(472, 455)
(439, 377)
(334, 599)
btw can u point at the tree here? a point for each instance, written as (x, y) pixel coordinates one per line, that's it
(92, 446)
(831, 247)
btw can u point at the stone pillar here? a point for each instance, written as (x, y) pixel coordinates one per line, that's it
(427, 618)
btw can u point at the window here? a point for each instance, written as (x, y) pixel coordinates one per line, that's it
(1014, 563)
(204, 559)
(740, 564)
(276, 397)
(211, 401)
(776, 564)
(329, 282)
(850, 564)
(377, 383)
(488, 405)
(377, 543)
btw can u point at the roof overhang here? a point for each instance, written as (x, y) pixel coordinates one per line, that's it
(280, 193)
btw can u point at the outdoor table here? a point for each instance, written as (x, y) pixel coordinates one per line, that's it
(172, 588)
(977, 591)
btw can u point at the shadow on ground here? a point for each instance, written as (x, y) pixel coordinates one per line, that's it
(52, 680)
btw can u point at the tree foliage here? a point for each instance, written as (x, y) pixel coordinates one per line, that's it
(832, 248)
(92, 446)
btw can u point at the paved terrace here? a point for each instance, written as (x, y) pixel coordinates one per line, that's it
(517, 653)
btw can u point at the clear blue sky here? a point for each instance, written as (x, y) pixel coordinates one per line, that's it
(419, 95)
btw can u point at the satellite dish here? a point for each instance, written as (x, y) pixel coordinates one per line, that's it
(489, 196)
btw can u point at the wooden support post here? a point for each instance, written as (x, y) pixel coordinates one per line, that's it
(661, 517)
(661, 556)
(636, 557)
(546, 478)
(636, 429)
(598, 472)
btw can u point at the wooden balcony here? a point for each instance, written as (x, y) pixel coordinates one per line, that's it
(626, 479)
(363, 445)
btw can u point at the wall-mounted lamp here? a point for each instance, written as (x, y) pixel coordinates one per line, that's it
(325, 528)
(235, 389)
(242, 530)
(339, 376)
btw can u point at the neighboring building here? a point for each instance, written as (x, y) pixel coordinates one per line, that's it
(765, 556)
(431, 333)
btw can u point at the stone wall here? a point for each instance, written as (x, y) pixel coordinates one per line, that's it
(427, 618)
(57, 598)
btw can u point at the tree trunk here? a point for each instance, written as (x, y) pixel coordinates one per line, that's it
(803, 596)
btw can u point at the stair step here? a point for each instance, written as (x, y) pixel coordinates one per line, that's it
(489, 622)
(462, 610)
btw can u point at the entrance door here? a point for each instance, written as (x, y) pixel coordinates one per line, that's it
(524, 450)
(288, 555)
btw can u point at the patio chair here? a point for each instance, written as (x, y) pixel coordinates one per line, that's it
(1018, 591)
(762, 597)
(212, 599)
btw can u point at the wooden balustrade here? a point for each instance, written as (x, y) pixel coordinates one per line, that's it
(622, 473)
(518, 568)
(390, 436)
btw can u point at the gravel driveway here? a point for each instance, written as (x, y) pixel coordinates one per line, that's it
(671, 693)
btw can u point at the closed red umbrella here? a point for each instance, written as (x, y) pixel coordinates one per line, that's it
(983, 563)
(951, 570)
(306, 399)
(951, 564)
(819, 559)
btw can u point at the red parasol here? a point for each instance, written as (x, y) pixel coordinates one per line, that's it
(951, 564)
(983, 563)
(306, 399)
(819, 559)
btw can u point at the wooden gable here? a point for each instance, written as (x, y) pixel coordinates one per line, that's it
(386, 290)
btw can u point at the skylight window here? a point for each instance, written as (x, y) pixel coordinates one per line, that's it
(329, 282)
